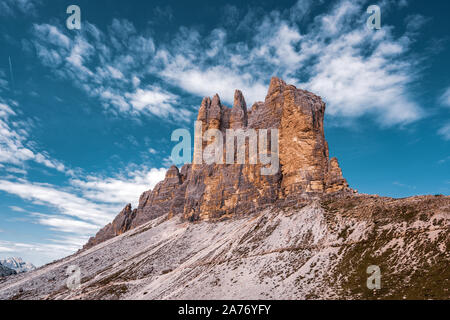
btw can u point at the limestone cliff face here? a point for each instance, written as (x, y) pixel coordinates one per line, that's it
(217, 191)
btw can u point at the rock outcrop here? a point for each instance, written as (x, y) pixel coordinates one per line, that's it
(119, 225)
(5, 271)
(219, 190)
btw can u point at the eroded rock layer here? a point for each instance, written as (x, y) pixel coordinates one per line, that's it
(216, 191)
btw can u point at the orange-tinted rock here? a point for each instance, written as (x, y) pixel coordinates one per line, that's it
(215, 191)
(239, 116)
(163, 199)
(335, 180)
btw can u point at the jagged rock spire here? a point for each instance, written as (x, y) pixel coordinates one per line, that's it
(173, 172)
(239, 117)
(203, 111)
(215, 191)
(276, 86)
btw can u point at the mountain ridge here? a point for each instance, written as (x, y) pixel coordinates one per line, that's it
(17, 264)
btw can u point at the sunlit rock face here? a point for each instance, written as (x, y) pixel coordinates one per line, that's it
(218, 191)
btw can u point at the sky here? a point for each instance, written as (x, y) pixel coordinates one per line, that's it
(86, 115)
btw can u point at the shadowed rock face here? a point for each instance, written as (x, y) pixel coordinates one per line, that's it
(166, 197)
(218, 191)
(4, 271)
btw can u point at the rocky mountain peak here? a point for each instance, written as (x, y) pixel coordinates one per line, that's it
(17, 264)
(220, 191)
(173, 173)
(276, 86)
(239, 117)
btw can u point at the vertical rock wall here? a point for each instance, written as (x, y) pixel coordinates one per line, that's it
(217, 191)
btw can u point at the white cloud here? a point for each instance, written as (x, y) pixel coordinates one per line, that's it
(445, 131)
(445, 98)
(115, 74)
(3, 82)
(168, 162)
(109, 66)
(66, 225)
(155, 101)
(67, 203)
(6, 249)
(358, 71)
(216, 79)
(403, 3)
(136, 81)
(52, 35)
(121, 189)
(355, 85)
(17, 209)
(13, 144)
(442, 161)
(415, 22)
(13, 7)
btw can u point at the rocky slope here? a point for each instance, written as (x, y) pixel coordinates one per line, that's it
(316, 248)
(219, 191)
(5, 271)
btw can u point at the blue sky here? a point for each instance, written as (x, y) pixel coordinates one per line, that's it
(86, 115)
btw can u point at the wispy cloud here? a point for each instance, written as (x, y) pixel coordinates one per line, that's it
(85, 205)
(5, 249)
(15, 7)
(17, 209)
(445, 131)
(396, 183)
(445, 98)
(358, 71)
(442, 161)
(15, 148)
(3, 81)
(67, 225)
(121, 189)
(67, 203)
(110, 66)
(156, 101)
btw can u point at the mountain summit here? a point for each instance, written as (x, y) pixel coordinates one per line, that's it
(218, 191)
(17, 264)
